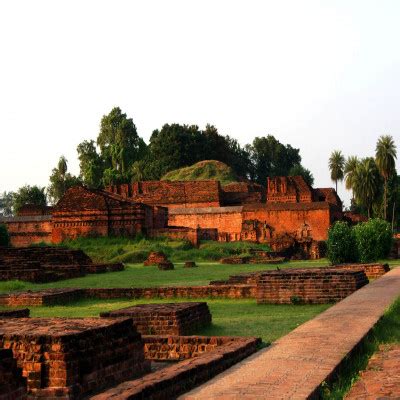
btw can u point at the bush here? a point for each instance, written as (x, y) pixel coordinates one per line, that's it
(373, 240)
(4, 236)
(341, 243)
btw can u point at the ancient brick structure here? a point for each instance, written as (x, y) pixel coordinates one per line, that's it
(19, 313)
(155, 257)
(372, 270)
(211, 356)
(166, 318)
(311, 286)
(46, 264)
(12, 384)
(71, 358)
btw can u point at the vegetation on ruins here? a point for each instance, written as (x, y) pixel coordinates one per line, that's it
(365, 242)
(385, 157)
(6, 204)
(34, 195)
(203, 170)
(336, 166)
(91, 164)
(60, 181)
(4, 236)
(341, 243)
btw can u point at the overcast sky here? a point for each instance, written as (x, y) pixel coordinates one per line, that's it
(320, 75)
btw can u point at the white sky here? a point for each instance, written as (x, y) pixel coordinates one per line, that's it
(320, 75)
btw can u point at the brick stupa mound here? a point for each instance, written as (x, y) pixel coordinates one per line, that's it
(166, 319)
(71, 358)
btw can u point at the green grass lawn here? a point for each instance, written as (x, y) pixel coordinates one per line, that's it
(230, 317)
(137, 275)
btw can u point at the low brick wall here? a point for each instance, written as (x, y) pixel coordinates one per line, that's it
(189, 292)
(165, 319)
(177, 348)
(310, 286)
(180, 377)
(70, 358)
(12, 384)
(21, 313)
(41, 297)
(373, 270)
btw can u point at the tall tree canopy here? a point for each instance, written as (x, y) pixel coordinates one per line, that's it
(385, 156)
(120, 145)
(336, 166)
(6, 204)
(60, 180)
(29, 195)
(307, 175)
(271, 158)
(90, 163)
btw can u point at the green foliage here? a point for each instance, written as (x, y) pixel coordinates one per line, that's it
(373, 240)
(120, 145)
(336, 166)
(271, 158)
(209, 169)
(29, 195)
(4, 236)
(298, 169)
(6, 204)
(90, 163)
(341, 243)
(61, 181)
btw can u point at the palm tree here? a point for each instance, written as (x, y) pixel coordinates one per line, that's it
(336, 165)
(385, 156)
(350, 172)
(366, 183)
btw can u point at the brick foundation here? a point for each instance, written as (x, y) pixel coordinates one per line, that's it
(166, 319)
(21, 313)
(372, 271)
(219, 354)
(310, 286)
(71, 358)
(12, 384)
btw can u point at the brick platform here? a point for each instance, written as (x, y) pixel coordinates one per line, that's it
(373, 271)
(221, 353)
(163, 319)
(381, 379)
(21, 313)
(308, 286)
(295, 366)
(41, 297)
(12, 384)
(70, 358)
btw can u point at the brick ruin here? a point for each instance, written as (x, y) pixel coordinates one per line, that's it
(286, 212)
(47, 264)
(166, 318)
(72, 358)
(12, 383)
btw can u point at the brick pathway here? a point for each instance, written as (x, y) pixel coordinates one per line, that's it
(381, 379)
(295, 365)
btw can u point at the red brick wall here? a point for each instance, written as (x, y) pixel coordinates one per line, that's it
(28, 230)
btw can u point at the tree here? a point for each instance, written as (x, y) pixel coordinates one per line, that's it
(4, 236)
(271, 158)
(336, 166)
(307, 175)
(367, 183)
(61, 180)
(6, 204)
(385, 156)
(29, 195)
(120, 145)
(350, 167)
(90, 163)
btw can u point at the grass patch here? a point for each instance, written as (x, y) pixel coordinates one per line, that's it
(137, 275)
(230, 317)
(387, 330)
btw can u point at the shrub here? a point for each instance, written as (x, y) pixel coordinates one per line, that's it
(373, 239)
(341, 243)
(4, 236)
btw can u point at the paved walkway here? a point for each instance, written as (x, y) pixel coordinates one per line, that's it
(295, 365)
(381, 379)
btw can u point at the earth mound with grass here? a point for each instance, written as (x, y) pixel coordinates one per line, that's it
(203, 170)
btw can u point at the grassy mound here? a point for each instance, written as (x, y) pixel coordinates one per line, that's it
(203, 170)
